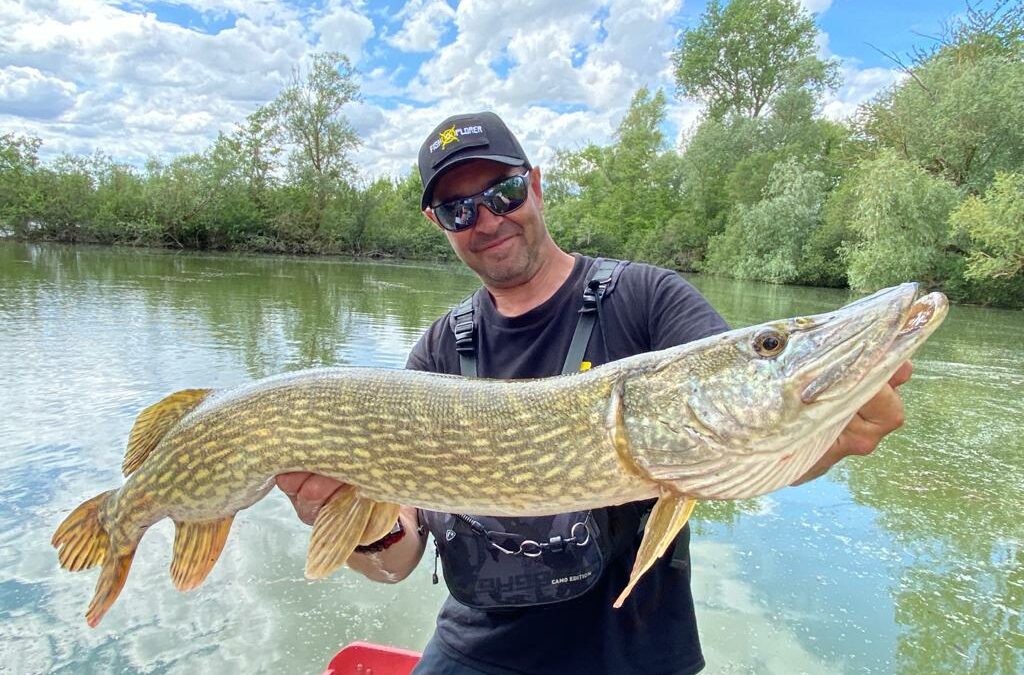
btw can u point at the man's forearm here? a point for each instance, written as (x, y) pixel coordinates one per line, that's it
(397, 561)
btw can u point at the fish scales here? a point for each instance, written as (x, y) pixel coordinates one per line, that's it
(512, 426)
(727, 417)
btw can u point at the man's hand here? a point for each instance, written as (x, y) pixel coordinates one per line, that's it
(308, 492)
(878, 417)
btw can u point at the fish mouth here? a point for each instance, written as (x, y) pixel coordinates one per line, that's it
(926, 312)
(832, 365)
(880, 332)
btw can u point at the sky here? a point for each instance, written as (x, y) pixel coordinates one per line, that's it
(139, 79)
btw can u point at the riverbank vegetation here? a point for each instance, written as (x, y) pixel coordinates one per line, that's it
(925, 182)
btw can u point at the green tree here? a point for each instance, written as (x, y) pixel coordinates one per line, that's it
(900, 215)
(395, 225)
(172, 192)
(708, 162)
(234, 213)
(122, 214)
(309, 112)
(574, 192)
(765, 241)
(994, 227)
(19, 164)
(67, 201)
(960, 114)
(741, 57)
(995, 224)
(728, 163)
(258, 148)
(614, 200)
(824, 260)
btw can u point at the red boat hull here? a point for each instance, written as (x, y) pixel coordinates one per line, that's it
(364, 658)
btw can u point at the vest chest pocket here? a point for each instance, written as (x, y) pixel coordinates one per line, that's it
(504, 563)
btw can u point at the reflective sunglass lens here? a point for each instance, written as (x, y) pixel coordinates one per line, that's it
(457, 215)
(465, 215)
(501, 198)
(506, 195)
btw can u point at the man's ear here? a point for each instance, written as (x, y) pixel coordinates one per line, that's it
(428, 213)
(535, 185)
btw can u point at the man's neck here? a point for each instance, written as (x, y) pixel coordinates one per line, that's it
(520, 299)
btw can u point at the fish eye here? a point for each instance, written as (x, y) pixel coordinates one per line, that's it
(769, 343)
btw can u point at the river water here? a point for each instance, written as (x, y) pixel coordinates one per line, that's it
(908, 561)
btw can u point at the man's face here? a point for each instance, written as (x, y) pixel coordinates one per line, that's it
(503, 250)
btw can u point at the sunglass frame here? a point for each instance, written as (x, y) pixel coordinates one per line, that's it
(447, 213)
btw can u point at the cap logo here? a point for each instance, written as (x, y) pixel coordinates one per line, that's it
(449, 136)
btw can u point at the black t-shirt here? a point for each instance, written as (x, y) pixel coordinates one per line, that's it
(655, 632)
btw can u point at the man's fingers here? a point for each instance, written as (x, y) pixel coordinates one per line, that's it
(308, 492)
(901, 375)
(317, 489)
(291, 482)
(884, 411)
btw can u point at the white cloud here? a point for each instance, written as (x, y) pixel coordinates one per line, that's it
(30, 93)
(424, 22)
(89, 74)
(343, 29)
(816, 6)
(859, 86)
(134, 86)
(560, 74)
(538, 35)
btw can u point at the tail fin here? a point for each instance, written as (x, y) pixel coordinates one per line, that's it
(82, 542)
(108, 586)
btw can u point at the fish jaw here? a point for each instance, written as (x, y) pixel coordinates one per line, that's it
(722, 419)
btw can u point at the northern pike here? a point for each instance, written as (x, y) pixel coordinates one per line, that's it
(731, 416)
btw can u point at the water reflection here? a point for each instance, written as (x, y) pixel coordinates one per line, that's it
(944, 499)
(908, 561)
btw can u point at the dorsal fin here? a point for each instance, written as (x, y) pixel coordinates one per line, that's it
(155, 421)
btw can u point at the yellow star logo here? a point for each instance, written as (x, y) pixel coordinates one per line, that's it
(448, 136)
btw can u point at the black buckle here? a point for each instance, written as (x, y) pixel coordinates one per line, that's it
(594, 291)
(464, 336)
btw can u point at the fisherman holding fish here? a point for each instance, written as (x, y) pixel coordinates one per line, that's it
(535, 595)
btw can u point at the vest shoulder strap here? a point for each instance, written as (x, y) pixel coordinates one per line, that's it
(463, 324)
(599, 283)
(597, 286)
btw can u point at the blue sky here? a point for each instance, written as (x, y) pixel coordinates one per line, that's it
(138, 79)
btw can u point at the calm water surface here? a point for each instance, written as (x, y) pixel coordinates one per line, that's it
(909, 561)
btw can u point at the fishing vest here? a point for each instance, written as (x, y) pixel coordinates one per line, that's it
(502, 563)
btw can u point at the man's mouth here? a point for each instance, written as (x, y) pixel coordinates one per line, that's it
(493, 243)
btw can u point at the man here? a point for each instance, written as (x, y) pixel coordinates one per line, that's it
(482, 191)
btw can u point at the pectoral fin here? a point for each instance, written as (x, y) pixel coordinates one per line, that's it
(197, 545)
(346, 521)
(668, 517)
(382, 519)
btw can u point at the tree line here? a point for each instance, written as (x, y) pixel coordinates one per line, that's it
(925, 182)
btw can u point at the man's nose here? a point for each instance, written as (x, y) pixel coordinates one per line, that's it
(486, 222)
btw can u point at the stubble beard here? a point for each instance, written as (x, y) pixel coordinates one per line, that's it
(516, 267)
(514, 270)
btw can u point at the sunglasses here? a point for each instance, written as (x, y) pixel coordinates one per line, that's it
(503, 197)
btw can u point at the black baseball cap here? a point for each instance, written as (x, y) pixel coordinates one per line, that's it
(461, 138)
